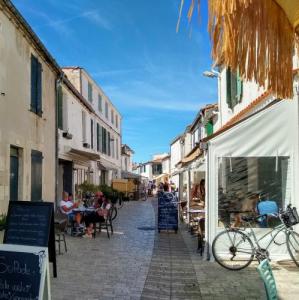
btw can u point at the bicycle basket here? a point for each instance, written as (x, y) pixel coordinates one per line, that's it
(290, 217)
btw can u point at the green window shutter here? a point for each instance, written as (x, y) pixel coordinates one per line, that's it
(209, 128)
(109, 144)
(89, 92)
(104, 138)
(98, 137)
(228, 88)
(91, 134)
(36, 175)
(100, 103)
(60, 107)
(239, 88)
(39, 89)
(233, 81)
(34, 67)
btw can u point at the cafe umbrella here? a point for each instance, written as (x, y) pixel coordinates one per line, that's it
(254, 38)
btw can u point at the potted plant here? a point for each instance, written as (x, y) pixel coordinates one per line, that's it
(2, 221)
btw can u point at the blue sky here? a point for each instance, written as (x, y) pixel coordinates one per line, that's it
(131, 48)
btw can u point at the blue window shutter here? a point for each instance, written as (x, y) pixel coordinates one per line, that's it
(91, 133)
(39, 89)
(33, 102)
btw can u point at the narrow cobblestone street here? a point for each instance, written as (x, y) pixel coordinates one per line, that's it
(138, 263)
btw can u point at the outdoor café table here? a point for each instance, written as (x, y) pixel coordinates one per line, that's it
(194, 211)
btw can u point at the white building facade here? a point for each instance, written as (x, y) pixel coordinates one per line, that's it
(253, 153)
(102, 131)
(28, 75)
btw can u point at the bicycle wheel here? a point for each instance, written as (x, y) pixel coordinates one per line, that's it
(293, 246)
(233, 249)
(113, 213)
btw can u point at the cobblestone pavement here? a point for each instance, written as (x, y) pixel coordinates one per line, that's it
(171, 274)
(143, 264)
(103, 268)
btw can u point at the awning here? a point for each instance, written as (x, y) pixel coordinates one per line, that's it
(106, 165)
(129, 175)
(194, 154)
(161, 176)
(87, 154)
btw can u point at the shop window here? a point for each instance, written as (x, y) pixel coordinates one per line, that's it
(251, 185)
(234, 88)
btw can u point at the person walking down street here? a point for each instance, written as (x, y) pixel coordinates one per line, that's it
(144, 191)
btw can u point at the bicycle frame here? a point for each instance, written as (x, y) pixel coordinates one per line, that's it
(277, 229)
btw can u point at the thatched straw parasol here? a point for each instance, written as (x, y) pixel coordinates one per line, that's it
(255, 37)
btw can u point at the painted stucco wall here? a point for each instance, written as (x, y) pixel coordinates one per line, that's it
(18, 126)
(175, 155)
(80, 79)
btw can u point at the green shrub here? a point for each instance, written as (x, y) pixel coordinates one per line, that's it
(2, 220)
(86, 187)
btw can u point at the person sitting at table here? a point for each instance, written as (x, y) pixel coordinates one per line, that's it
(67, 206)
(97, 216)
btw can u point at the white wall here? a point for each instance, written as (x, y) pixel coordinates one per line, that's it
(18, 126)
(175, 155)
(82, 80)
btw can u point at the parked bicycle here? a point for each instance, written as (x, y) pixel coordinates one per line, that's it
(234, 249)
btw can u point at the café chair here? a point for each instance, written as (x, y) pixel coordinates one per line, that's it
(60, 223)
(107, 224)
(266, 274)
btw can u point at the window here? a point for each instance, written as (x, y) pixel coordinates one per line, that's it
(106, 110)
(100, 106)
(157, 169)
(116, 121)
(91, 133)
(112, 116)
(89, 92)
(249, 184)
(83, 126)
(36, 175)
(60, 107)
(104, 140)
(36, 86)
(234, 88)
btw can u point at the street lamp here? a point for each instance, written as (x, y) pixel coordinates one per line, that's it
(214, 74)
(211, 74)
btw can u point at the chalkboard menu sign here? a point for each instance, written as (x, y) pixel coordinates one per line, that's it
(22, 272)
(167, 212)
(31, 224)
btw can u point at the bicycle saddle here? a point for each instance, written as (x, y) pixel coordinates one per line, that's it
(248, 218)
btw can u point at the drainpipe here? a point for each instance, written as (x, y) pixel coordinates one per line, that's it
(57, 84)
